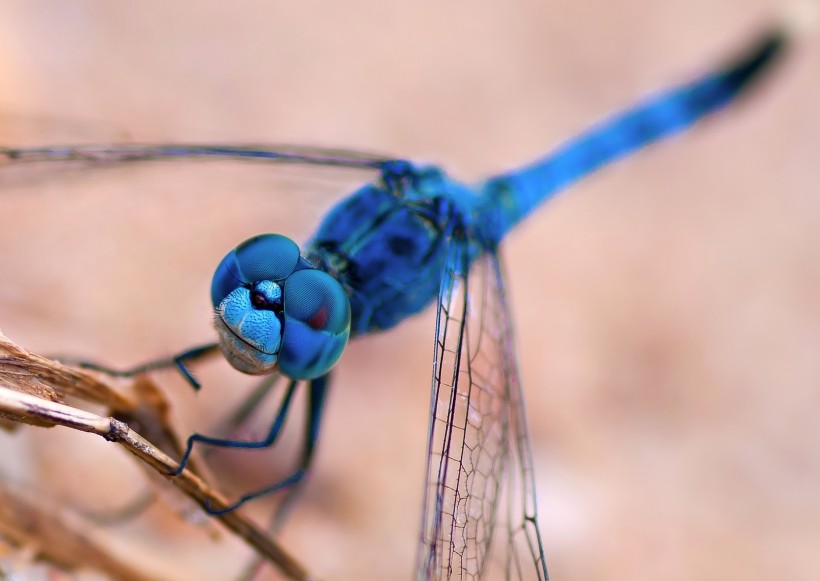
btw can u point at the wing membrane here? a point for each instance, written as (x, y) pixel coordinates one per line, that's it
(478, 436)
(117, 153)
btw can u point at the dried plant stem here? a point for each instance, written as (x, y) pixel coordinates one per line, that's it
(37, 527)
(32, 409)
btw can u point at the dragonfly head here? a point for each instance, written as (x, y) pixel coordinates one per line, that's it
(274, 309)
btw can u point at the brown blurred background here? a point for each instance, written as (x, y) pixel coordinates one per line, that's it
(667, 309)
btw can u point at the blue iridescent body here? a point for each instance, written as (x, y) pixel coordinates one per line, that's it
(411, 238)
(386, 242)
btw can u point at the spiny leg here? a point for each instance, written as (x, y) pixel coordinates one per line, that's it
(283, 509)
(318, 391)
(241, 414)
(273, 433)
(316, 406)
(133, 509)
(144, 501)
(178, 361)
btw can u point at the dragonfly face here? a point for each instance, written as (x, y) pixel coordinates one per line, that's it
(273, 309)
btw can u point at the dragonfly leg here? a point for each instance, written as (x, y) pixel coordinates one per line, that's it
(134, 509)
(275, 428)
(190, 354)
(241, 414)
(318, 391)
(177, 361)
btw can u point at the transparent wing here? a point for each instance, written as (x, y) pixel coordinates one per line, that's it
(478, 448)
(67, 198)
(117, 153)
(297, 167)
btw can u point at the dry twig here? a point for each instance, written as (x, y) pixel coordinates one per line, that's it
(38, 528)
(31, 390)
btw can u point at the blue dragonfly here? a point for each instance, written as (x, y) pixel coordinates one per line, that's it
(411, 238)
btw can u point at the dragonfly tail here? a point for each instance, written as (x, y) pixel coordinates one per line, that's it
(512, 196)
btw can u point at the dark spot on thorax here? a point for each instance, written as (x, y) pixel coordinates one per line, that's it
(401, 245)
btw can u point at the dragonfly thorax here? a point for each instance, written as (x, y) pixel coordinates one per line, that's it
(386, 250)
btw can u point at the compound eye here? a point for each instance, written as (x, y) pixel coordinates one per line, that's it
(316, 324)
(269, 257)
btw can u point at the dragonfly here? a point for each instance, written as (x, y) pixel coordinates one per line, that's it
(411, 238)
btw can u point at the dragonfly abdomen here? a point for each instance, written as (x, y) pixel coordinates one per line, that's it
(510, 197)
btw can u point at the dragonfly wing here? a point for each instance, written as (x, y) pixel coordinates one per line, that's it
(525, 555)
(118, 153)
(478, 437)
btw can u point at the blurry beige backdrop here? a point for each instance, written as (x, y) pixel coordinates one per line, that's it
(667, 309)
